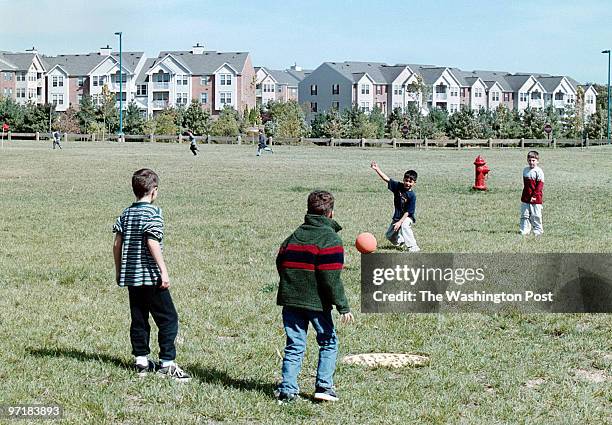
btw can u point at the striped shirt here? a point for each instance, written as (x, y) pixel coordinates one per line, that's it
(137, 223)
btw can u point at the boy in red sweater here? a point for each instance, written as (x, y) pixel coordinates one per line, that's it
(532, 196)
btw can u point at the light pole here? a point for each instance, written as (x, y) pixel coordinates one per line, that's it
(120, 85)
(608, 126)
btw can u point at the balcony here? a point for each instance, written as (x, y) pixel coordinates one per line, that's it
(441, 96)
(160, 104)
(160, 85)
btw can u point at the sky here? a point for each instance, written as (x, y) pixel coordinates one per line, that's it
(557, 37)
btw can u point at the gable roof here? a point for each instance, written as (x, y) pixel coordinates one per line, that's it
(142, 75)
(19, 61)
(83, 64)
(208, 62)
(354, 71)
(516, 81)
(283, 77)
(391, 72)
(299, 75)
(550, 83)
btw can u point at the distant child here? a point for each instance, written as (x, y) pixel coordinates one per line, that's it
(532, 196)
(261, 144)
(193, 146)
(309, 264)
(139, 265)
(56, 139)
(400, 232)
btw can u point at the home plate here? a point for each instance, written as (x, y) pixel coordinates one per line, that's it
(396, 360)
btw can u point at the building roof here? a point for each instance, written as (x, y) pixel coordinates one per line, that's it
(516, 81)
(83, 64)
(355, 70)
(550, 83)
(142, 75)
(429, 74)
(283, 77)
(17, 61)
(299, 75)
(391, 72)
(208, 62)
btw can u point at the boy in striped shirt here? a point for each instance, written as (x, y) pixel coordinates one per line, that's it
(309, 264)
(139, 265)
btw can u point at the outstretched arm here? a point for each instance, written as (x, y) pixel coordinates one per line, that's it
(376, 168)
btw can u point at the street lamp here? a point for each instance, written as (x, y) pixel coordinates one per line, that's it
(120, 85)
(608, 127)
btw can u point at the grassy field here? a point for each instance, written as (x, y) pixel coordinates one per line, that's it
(64, 323)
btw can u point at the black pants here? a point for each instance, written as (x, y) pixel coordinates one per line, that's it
(158, 302)
(194, 149)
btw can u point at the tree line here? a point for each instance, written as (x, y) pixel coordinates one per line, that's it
(287, 119)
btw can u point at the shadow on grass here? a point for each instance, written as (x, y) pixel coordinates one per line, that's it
(205, 375)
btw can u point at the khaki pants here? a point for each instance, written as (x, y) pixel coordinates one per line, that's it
(404, 236)
(531, 218)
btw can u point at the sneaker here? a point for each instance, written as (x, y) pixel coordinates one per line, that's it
(283, 398)
(325, 394)
(142, 370)
(174, 372)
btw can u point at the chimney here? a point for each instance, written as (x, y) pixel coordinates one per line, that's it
(295, 67)
(32, 50)
(197, 49)
(106, 51)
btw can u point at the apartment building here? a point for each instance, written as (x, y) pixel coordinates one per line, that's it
(278, 85)
(70, 77)
(216, 79)
(22, 77)
(368, 84)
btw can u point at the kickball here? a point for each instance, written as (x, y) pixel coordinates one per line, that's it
(365, 243)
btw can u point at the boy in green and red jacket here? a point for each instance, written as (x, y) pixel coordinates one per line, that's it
(309, 264)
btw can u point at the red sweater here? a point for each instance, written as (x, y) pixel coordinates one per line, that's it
(533, 185)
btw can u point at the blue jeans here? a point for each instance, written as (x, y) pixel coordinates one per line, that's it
(295, 322)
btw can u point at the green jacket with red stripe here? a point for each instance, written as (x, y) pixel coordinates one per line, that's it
(309, 264)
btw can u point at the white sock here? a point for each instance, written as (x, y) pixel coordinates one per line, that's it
(166, 363)
(142, 360)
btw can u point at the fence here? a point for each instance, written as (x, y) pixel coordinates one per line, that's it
(393, 143)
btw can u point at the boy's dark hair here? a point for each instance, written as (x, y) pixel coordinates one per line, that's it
(412, 174)
(144, 181)
(320, 202)
(533, 154)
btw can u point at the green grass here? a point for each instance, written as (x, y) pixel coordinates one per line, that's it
(64, 323)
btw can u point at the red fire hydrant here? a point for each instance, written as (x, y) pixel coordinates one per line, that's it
(481, 171)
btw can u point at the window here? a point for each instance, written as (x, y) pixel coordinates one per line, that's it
(31, 76)
(454, 107)
(141, 90)
(535, 95)
(335, 88)
(313, 89)
(57, 99)
(440, 89)
(116, 78)
(31, 93)
(226, 79)
(335, 105)
(8, 92)
(495, 96)
(365, 106)
(397, 89)
(559, 95)
(570, 98)
(21, 93)
(365, 89)
(79, 98)
(21, 76)
(313, 106)
(80, 81)
(204, 98)
(506, 97)
(589, 99)
(268, 88)
(58, 81)
(61, 99)
(8, 76)
(181, 99)
(379, 89)
(181, 80)
(522, 97)
(204, 80)
(225, 98)
(454, 91)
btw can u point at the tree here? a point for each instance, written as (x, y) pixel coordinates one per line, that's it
(227, 123)
(11, 113)
(358, 124)
(68, 122)
(107, 111)
(165, 122)
(286, 119)
(462, 124)
(394, 123)
(532, 123)
(134, 121)
(37, 118)
(86, 114)
(196, 119)
(378, 121)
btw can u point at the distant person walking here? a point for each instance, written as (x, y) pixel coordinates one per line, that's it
(56, 139)
(262, 145)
